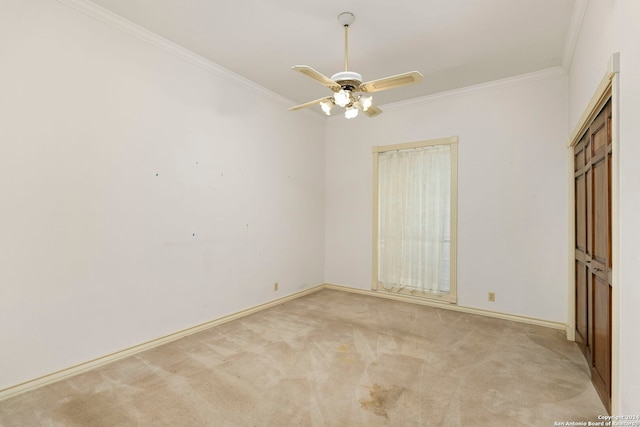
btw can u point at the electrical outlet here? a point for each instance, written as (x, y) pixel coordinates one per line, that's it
(492, 296)
(275, 286)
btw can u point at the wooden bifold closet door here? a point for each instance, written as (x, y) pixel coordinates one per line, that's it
(592, 173)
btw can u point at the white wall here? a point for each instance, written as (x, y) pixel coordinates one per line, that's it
(629, 218)
(611, 26)
(141, 194)
(597, 41)
(512, 191)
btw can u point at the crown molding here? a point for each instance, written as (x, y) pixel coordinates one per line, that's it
(481, 87)
(579, 9)
(121, 24)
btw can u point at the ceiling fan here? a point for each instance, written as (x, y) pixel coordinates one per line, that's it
(347, 85)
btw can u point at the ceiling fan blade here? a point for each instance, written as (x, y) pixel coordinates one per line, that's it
(308, 71)
(309, 104)
(372, 111)
(391, 82)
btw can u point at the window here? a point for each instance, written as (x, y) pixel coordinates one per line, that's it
(415, 215)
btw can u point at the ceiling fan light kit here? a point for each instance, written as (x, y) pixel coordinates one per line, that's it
(347, 85)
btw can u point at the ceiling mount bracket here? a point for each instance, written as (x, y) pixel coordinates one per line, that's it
(346, 18)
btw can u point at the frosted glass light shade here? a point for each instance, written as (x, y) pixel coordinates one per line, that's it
(350, 113)
(342, 98)
(366, 102)
(326, 107)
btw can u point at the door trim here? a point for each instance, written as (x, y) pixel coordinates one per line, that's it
(608, 87)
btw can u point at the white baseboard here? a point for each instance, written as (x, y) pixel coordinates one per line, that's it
(447, 306)
(92, 364)
(100, 361)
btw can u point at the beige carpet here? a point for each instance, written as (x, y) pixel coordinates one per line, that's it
(332, 359)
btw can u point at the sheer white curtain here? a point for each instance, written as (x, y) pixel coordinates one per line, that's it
(414, 193)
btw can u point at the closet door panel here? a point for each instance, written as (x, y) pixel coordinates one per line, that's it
(592, 188)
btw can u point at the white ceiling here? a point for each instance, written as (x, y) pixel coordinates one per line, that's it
(453, 43)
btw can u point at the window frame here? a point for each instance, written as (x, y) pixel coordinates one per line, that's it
(452, 295)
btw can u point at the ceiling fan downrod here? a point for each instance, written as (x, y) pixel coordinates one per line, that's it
(346, 48)
(346, 19)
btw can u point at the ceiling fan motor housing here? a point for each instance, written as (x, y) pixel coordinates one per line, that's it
(347, 79)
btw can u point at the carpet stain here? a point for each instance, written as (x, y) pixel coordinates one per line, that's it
(382, 399)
